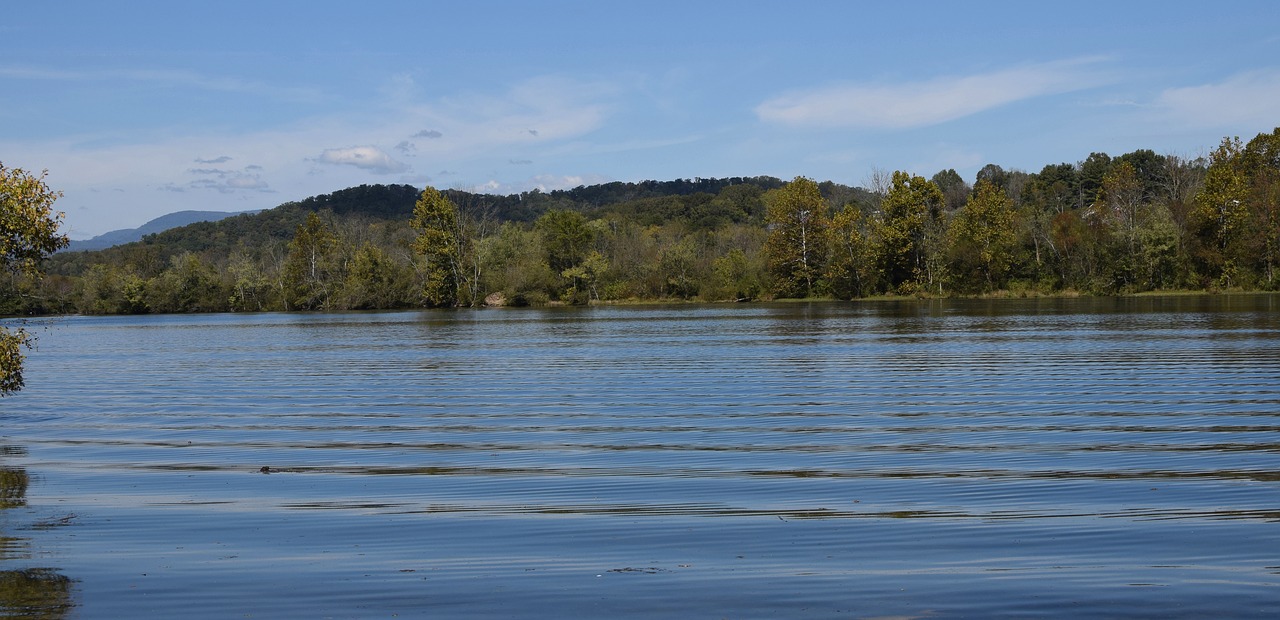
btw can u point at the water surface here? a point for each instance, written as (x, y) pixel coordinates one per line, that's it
(1092, 457)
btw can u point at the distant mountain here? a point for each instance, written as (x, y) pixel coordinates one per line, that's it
(160, 224)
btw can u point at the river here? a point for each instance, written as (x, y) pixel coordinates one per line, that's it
(911, 459)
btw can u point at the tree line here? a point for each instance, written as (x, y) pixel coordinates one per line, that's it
(1105, 225)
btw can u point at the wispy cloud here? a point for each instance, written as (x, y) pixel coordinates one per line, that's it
(928, 102)
(428, 133)
(369, 158)
(479, 133)
(1250, 98)
(220, 180)
(168, 77)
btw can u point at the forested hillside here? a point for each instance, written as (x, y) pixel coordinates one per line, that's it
(1136, 222)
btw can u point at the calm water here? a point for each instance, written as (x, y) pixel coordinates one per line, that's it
(1059, 458)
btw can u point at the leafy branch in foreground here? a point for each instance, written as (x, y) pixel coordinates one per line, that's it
(28, 234)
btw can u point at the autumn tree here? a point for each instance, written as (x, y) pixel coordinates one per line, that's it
(28, 234)
(439, 242)
(796, 248)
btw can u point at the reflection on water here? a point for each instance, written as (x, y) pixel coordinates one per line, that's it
(37, 593)
(957, 458)
(13, 487)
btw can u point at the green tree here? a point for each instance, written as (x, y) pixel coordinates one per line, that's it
(906, 214)
(374, 281)
(585, 278)
(250, 287)
(983, 236)
(188, 285)
(1261, 163)
(736, 277)
(1220, 213)
(1149, 169)
(439, 242)
(1075, 244)
(516, 265)
(993, 174)
(1120, 209)
(953, 187)
(1089, 178)
(848, 269)
(312, 270)
(796, 216)
(28, 234)
(678, 267)
(1157, 264)
(566, 238)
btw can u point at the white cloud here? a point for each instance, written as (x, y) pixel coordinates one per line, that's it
(923, 103)
(369, 158)
(541, 182)
(1245, 99)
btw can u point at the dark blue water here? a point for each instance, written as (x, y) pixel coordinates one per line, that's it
(933, 459)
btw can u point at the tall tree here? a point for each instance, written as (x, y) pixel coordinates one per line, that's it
(982, 237)
(1217, 220)
(28, 234)
(848, 272)
(1092, 169)
(905, 217)
(566, 238)
(1150, 170)
(994, 174)
(953, 187)
(1261, 163)
(797, 244)
(311, 270)
(1119, 209)
(439, 242)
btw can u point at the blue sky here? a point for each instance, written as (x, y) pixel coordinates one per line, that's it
(139, 109)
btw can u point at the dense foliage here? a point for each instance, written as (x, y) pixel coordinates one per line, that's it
(1104, 225)
(28, 233)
